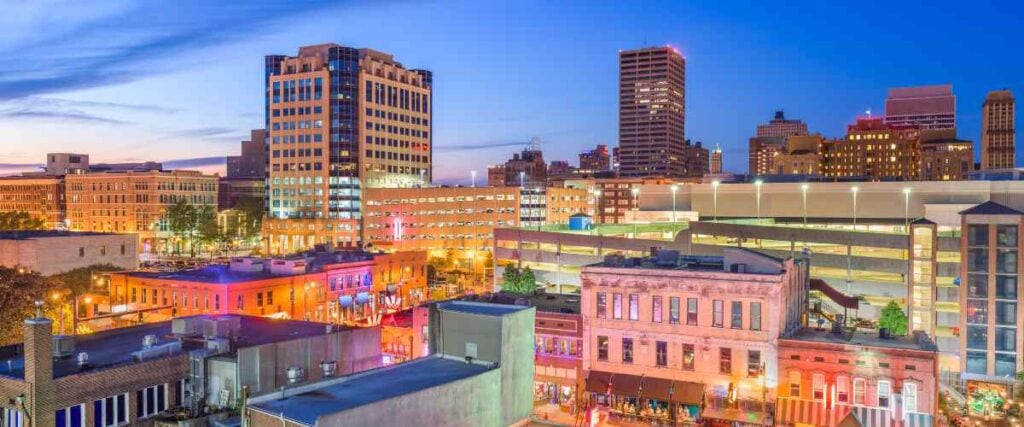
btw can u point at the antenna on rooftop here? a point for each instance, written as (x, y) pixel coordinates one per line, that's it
(535, 144)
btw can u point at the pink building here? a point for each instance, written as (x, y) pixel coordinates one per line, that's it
(825, 377)
(688, 339)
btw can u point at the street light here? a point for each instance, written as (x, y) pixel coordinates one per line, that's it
(597, 210)
(906, 208)
(674, 188)
(757, 188)
(522, 180)
(636, 207)
(854, 190)
(714, 189)
(803, 188)
(473, 179)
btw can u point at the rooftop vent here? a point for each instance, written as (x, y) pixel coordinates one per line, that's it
(187, 326)
(63, 345)
(82, 360)
(222, 327)
(295, 374)
(149, 341)
(247, 264)
(329, 367)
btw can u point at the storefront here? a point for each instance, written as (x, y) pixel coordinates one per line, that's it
(645, 399)
(985, 399)
(554, 394)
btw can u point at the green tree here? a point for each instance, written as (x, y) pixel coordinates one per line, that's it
(182, 220)
(894, 319)
(250, 212)
(80, 281)
(527, 281)
(510, 279)
(19, 290)
(20, 221)
(208, 231)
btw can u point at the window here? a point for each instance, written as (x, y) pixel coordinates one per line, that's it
(661, 356)
(818, 387)
(627, 350)
(259, 299)
(753, 363)
(843, 389)
(719, 317)
(859, 391)
(656, 309)
(725, 360)
(73, 416)
(270, 297)
(737, 315)
(617, 306)
(909, 397)
(602, 348)
(691, 311)
(755, 316)
(151, 401)
(689, 357)
(673, 310)
(111, 411)
(794, 384)
(884, 392)
(81, 252)
(602, 305)
(634, 307)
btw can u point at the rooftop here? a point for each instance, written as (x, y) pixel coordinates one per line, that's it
(217, 274)
(339, 395)
(39, 234)
(552, 303)
(918, 341)
(484, 309)
(114, 347)
(991, 208)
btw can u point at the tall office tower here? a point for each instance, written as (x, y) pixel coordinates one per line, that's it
(716, 160)
(928, 107)
(340, 119)
(652, 112)
(997, 130)
(771, 142)
(252, 163)
(781, 127)
(695, 160)
(596, 160)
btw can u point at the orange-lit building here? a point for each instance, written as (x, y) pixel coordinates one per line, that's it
(944, 157)
(39, 196)
(614, 197)
(343, 287)
(135, 202)
(461, 219)
(873, 150)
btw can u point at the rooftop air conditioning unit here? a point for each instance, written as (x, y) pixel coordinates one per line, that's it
(63, 345)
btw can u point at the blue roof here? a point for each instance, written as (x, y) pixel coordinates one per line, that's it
(481, 308)
(369, 387)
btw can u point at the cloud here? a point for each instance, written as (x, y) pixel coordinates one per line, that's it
(64, 50)
(480, 146)
(72, 103)
(212, 131)
(195, 162)
(60, 115)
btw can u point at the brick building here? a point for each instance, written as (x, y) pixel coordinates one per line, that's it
(52, 252)
(39, 196)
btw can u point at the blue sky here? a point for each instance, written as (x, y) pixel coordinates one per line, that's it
(181, 82)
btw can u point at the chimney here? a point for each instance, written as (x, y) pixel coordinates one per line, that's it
(41, 402)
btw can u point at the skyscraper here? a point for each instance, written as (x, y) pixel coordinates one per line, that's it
(716, 160)
(781, 127)
(652, 112)
(928, 107)
(997, 130)
(340, 119)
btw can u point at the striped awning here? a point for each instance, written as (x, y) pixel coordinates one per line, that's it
(914, 419)
(872, 417)
(792, 411)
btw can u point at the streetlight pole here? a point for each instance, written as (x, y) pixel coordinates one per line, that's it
(522, 180)
(804, 188)
(714, 189)
(597, 211)
(674, 188)
(854, 190)
(636, 207)
(473, 178)
(757, 188)
(906, 209)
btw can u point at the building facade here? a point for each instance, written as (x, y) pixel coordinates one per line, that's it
(781, 127)
(596, 160)
(998, 130)
(340, 120)
(53, 252)
(873, 150)
(252, 163)
(41, 197)
(927, 107)
(716, 160)
(652, 112)
(135, 202)
(698, 335)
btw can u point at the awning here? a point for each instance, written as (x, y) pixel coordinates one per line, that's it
(597, 381)
(873, 417)
(913, 419)
(794, 411)
(687, 393)
(657, 388)
(626, 385)
(736, 415)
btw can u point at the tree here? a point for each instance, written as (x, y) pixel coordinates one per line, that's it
(19, 290)
(79, 281)
(20, 221)
(208, 230)
(250, 212)
(520, 281)
(894, 319)
(182, 220)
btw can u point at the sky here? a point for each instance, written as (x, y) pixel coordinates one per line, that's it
(181, 82)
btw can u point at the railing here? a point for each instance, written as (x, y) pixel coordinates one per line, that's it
(952, 380)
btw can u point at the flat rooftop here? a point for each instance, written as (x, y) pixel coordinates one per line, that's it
(114, 347)
(552, 303)
(39, 234)
(481, 308)
(339, 395)
(216, 274)
(863, 338)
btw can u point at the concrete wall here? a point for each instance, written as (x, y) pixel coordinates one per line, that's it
(52, 255)
(517, 365)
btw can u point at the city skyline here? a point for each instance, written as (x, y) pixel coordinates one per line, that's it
(111, 99)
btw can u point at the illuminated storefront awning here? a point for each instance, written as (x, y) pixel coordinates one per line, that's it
(793, 411)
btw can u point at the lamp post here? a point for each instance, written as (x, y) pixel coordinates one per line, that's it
(803, 188)
(472, 178)
(906, 209)
(674, 189)
(597, 210)
(636, 207)
(714, 190)
(854, 191)
(522, 180)
(757, 191)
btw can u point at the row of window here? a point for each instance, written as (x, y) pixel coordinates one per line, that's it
(883, 390)
(692, 317)
(755, 367)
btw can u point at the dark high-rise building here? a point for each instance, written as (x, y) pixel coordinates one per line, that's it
(340, 119)
(696, 160)
(998, 130)
(526, 168)
(596, 160)
(652, 112)
(252, 163)
(927, 107)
